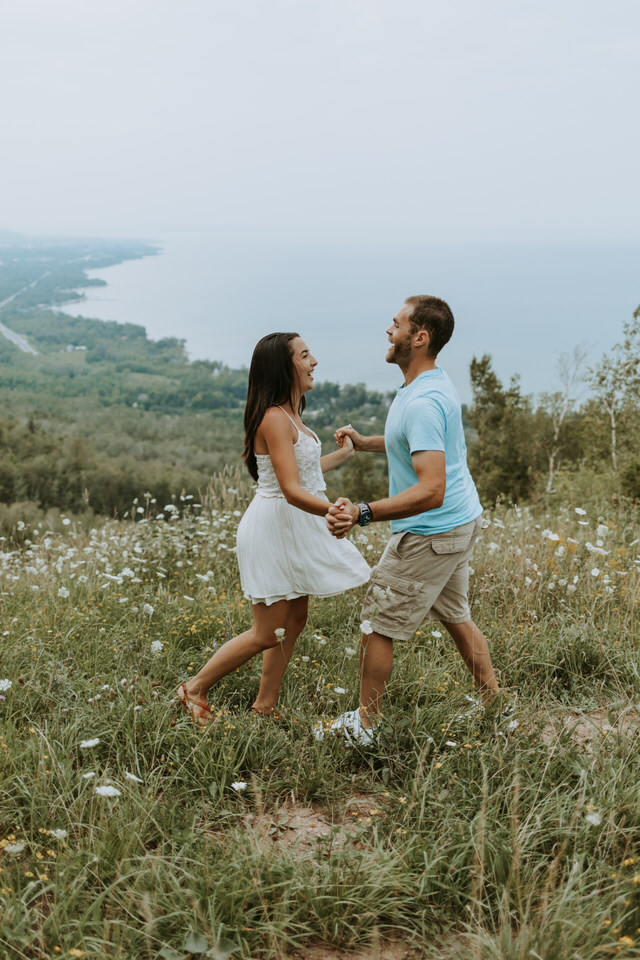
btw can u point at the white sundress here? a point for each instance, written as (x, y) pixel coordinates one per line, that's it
(284, 552)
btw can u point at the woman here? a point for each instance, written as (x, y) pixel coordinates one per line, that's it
(285, 551)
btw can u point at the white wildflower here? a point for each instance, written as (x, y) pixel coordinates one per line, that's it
(571, 588)
(450, 743)
(239, 786)
(88, 776)
(305, 659)
(595, 572)
(279, 634)
(63, 592)
(87, 744)
(593, 817)
(108, 791)
(5, 685)
(66, 521)
(339, 689)
(598, 550)
(157, 646)
(602, 529)
(366, 627)
(15, 847)
(379, 593)
(59, 834)
(132, 776)
(436, 634)
(350, 651)
(581, 512)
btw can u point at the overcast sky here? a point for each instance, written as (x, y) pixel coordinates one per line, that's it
(453, 119)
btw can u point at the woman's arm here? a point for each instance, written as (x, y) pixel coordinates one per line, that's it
(366, 444)
(332, 460)
(277, 433)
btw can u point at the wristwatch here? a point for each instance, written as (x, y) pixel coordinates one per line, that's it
(366, 514)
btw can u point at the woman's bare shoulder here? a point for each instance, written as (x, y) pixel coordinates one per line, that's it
(276, 422)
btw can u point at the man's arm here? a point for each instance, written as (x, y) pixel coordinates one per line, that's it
(426, 494)
(366, 444)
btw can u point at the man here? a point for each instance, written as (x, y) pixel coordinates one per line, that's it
(434, 511)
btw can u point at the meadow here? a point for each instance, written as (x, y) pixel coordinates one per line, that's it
(127, 832)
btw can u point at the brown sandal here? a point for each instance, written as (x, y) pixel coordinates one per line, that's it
(199, 712)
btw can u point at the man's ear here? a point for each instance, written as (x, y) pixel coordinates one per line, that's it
(421, 338)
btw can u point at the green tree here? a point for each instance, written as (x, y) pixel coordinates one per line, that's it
(503, 451)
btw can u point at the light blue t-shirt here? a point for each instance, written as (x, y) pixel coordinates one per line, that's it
(427, 415)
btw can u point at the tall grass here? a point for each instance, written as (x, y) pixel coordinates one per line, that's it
(508, 838)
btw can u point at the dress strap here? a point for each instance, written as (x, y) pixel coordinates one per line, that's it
(303, 432)
(290, 418)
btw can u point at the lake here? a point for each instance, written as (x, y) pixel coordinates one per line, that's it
(523, 303)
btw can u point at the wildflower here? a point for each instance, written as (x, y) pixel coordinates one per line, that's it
(108, 791)
(595, 572)
(602, 529)
(63, 592)
(590, 547)
(366, 627)
(59, 834)
(436, 634)
(339, 689)
(581, 512)
(15, 847)
(66, 521)
(5, 685)
(74, 952)
(157, 646)
(87, 744)
(513, 725)
(305, 659)
(571, 588)
(88, 776)
(185, 597)
(450, 743)
(279, 634)
(132, 776)
(593, 817)
(350, 651)
(239, 786)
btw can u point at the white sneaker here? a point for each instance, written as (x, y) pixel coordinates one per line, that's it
(348, 725)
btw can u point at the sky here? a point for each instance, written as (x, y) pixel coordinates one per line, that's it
(351, 119)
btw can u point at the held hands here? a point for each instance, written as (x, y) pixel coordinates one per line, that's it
(347, 435)
(341, 516)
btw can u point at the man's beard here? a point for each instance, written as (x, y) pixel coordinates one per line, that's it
(398, 353)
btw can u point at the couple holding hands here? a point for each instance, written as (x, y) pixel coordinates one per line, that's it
(291, 540)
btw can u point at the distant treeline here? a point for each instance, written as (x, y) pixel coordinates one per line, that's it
(102, 414)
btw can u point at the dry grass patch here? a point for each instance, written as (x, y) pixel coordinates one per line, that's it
(585, 727)
(305, 825)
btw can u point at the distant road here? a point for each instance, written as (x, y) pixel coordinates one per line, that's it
(11, 334)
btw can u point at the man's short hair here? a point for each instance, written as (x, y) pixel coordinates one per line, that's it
(434, 316)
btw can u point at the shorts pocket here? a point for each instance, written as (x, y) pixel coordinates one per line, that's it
(389, 594)
(444, 545)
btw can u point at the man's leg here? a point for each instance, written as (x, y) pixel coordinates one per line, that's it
(376, 663)
(473, 648)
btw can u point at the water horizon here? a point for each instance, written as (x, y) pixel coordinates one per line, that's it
(523, 303)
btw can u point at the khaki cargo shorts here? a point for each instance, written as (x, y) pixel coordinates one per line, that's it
(421, 577)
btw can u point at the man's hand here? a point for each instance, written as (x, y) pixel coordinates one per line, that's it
(347, 434)
(341, 516)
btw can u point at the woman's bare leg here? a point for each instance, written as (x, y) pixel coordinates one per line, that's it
(232, 654)
(276, 659)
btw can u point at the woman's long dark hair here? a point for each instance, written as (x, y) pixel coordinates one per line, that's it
(272, 381)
